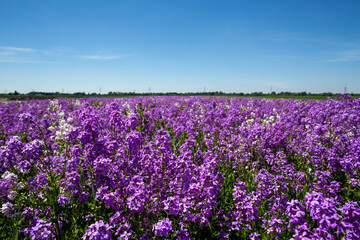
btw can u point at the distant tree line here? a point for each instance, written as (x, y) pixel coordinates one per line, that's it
(46, 95)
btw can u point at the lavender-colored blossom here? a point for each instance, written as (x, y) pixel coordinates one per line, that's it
(351, 220)
(89, 217)
(183, 234)
(41, 230)
(63, 200)
(124, 232)
(222, 235)
(303, 231)
(237, 166)
(117, 218)
(98, 231)
(324, 211)
(254, 236)
(295, 212)
(163, 227)
(26, 117)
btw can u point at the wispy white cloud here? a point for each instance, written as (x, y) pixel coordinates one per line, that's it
(285, 57)
(99, 57)
(350, 55)
(58, 51)
(16, 49)
(8, 53)
(16, 54)
(11, 54)
(15, 60)
(102, 56)
(23, 60)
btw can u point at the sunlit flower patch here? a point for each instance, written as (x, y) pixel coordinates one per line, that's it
(180, 168)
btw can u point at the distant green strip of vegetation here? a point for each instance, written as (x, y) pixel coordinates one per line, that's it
(285, 95)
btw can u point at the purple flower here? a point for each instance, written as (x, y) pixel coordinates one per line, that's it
(124, 232)
(245, 210)
(42, 230)
(324, 211)
(295, 212)
(254, 236)
(171, 204)
(132, 122)
(222, 235)
(303, 232)
(62, 200)
(26, 118)
(24, 166)
(351, 220)
(183, 233)
(89, 217)
(279, 167)
(162, 227)
(275, 225)
(136, 202)
(117, 218)
(98, 231)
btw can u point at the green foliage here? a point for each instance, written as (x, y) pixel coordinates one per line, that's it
(96, 104)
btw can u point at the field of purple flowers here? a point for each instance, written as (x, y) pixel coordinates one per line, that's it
(180, 168)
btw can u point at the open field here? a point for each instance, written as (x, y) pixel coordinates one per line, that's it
(180, 167)
(281, 95)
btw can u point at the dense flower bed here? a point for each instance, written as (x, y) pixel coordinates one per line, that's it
(180, 168)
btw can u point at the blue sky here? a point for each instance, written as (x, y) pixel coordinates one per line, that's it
(179, 45)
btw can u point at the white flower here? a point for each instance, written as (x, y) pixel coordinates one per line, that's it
(54, 103)
(20, 186)
(62, 122)
(58, 134)
(350, 134)
(12, 195)
(9, 176)
(6, 209)
(61, 114)
(77, 103)
(250, 121)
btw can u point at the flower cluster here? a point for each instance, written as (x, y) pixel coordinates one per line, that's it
(180, 168)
